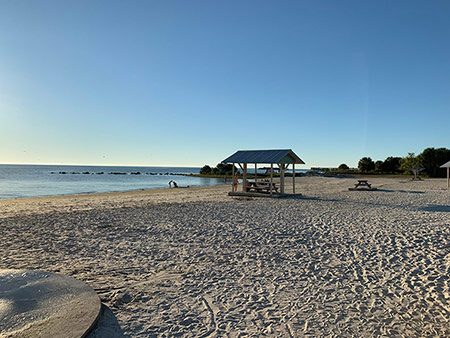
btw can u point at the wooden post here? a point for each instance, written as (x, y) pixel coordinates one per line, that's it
(448, 177)
(244, 178)
(285, 168)
(232, 179)
(256, 172)
(279, 169)
(271, 177)
(293, 178)
(281, 178)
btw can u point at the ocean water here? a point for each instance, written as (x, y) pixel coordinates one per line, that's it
(48, 180)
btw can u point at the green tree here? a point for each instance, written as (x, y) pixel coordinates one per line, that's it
(343, 166)
(221, 169)
(206, 170)
(224, 169)
(366, 164)
(391, 164)
(408, 162)
(431, 159)
(379, 165)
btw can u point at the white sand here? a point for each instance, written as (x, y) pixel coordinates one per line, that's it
(197, 263)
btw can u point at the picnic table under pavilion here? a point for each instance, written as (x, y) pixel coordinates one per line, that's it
(283, 158)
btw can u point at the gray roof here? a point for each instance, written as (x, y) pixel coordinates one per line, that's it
(264, 156)
(445, 165)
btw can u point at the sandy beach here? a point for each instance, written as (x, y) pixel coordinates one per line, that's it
(194, 262)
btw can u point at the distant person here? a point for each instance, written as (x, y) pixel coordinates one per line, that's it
(175, 185)
(235, 183)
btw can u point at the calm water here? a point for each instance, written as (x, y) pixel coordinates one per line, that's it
(46, 180)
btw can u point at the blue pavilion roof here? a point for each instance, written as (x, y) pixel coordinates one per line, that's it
(264, 156)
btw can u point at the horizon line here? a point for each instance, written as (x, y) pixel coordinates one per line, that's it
(125, 165)
(105, 165)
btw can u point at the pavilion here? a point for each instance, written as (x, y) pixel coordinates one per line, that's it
(283, 158)
(447, 165)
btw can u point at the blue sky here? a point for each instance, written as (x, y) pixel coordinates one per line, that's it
(187, 83)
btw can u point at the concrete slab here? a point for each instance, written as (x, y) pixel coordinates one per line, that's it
(45, 304)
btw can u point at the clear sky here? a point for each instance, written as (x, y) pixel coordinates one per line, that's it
(188, 83)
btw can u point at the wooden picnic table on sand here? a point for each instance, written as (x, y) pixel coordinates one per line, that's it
(261, 187)
(362, 185)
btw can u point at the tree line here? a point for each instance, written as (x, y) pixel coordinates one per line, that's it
(430, 160)
(221, 169)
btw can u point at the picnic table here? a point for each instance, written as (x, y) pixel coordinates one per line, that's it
(261, 187)
(362, 185)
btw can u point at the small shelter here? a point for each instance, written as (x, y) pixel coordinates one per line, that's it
(447, 165)
(416, 171)
(283, 158)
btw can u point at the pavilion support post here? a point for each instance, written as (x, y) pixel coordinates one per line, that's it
(281, 178)
(293, 178)
(244, 178)
(256, 172)
(271, 178)
(279, 170)
(232, 178)
(286, 169)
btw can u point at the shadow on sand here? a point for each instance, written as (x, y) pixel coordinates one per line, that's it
(107, 326)
(436, 208)
(402, 191)
(309, 198)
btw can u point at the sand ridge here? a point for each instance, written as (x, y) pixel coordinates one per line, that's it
(195, 262)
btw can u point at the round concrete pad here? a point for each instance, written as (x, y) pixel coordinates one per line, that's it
(45, 304)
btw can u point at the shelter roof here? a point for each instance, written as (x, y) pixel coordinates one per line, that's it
(264, 156)
(445, 165)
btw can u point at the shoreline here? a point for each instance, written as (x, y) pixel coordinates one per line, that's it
(110, 192)
(404, 178)
(19, 181)
(110, 200)
(87, 194)
(106, 193)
